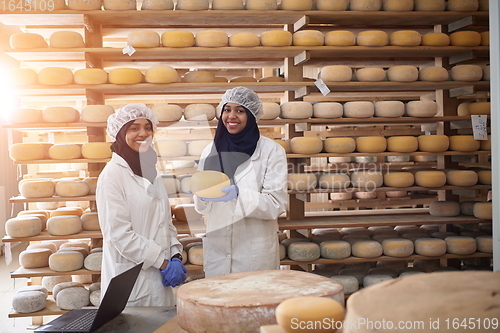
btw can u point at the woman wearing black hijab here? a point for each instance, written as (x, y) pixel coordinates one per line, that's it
(242, 226)
(134, 212)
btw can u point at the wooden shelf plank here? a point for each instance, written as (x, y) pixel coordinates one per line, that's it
(233, 17)
(390, 153)
(385, 258)
(259, 87)
(22, 272)
(20, 199)
(238, 54)
(373, 220)
(44, 235)
(78, 160)
(388, 188)
(51, 309)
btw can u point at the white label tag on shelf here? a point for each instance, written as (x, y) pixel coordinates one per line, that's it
(322, 87)
(479, 128)
(128, 50)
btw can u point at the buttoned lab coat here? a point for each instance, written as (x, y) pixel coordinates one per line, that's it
(242, 234)
(136, 224)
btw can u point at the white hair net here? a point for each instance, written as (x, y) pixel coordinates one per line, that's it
(244, 97)
(127, 113)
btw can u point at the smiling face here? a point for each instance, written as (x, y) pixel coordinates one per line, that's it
(139, 135)
(234, 117)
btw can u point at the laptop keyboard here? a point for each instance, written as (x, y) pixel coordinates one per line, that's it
(82, 323)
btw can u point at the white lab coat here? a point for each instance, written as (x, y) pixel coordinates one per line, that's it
(137, 227)
(242, 233)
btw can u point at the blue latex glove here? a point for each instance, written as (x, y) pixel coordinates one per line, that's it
(174, 274)
(232, 193)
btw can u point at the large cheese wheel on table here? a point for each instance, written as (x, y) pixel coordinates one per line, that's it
(431, 295)
(242, 302)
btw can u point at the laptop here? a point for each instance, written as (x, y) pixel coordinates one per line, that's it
(89, 319)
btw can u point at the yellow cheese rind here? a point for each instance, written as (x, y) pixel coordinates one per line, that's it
(466, 73)
(483, 210)
(244, 39)
(60, 114)
(34, 258)
(125, 76)
(161, 74)
(434, 74)
(402, 73)
(26, 151)
(389, 109)
(431, 247)
(96, 113)
(399, 179)
(371, 144)
(464, 143)
(192, 5)
(211, 38)
(402, 144)
(209, 184)
(276, 38)
(421, 109)
(27, 40)
(433, 143)
(370, 74)
(199, 111)
(465, 38)
(261, 4)
(85, 4)
(334, 180)
(167, 112)
(405, 38)
(65, 151)
(398, 247)
(177, 38)
(372, 38)
(430, 178)
(71, 188)
(91, 76)
(23, 226)
(306, 145)
(157, 5)
(336, 73)
(119, 4)
(366, 249)
(296, 5)
(296, 110)
(363, 5)
(143, 38)
(338, 37)
(66, 39)
(359, 109)
(460, 245)
(479, 108)
(96, 150)
(463, 5)
(198, 76)
(227, 4)
(462, 177)
(397, 5)
(430, 5)
(55, 76)
(339, 145)
(308, 38)
(435, 39)
(484, 177)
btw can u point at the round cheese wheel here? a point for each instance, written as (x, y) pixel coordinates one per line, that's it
(429, 5)
(96, 113)
(466, 73)
(66, 39)
(161, 74)
(209, 183)
(328, 110)
(405, 38)
(243, 79)
(465, 38)
(335, 249)
(303, 251)
(199, 112)
(421, 109)
(192, 5)
(125, 76)
(196, 147)
(301, 181)
(340, 196)
(296, 110)
(35, 258)
(334, 180)
(276, 38)
(64, 285)
(336, 73)
(338, 37)
(22, 76)
(350, 283)
(460, 245)
(463, 5)
(463, 143)
(92, 182)
(177, 38)
(371, 144)
(96, 150)
(480, 108)
(308, 38)
(306, 145)
(397, 5)
(211, 38)
(367, 180)
(463, 109)
(64, 225)
(33, 288)
(55, 76)
(119, 4)
(26, 151)
(90, 221)
(65, 151)
(167, 112)
(399, 179)
(397, 247)
(231, 298)
(261, 4)
(339, 145)
(431, 247)
(435, 39)
(29, 301)
(76, 211)
(433, 74)
(444, 208)
(93, 261)
(372, 38)
(285, 144)
(296, 4)
(91, 76)
(73, 298)
(85, 4)
(27, 40)
(366, 249)
(37, 188)
(389, 109)
(271, 111)
(365, 5)
(396, 194)
(486, 73)
(49, 282)
(23, 226)
(462, 177)
(244, 39)
(430, 178)
(195, 255)
(143, 38)
(60, 114)
(171, 148)
(66, 261)
(483, 210)
(198, 76)
(370, 74)
(402, 144)
(485, 38)
(359, 109)
(433, 143)
(484, 244)
(72, 188)
(227, 4)
(43, 245)
(402, 73)
(484, 177)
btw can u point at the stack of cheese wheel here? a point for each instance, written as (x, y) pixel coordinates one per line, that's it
(296, 110)
(55, 76)
(27, 40)
(211, 38)
(432, 294)
(167, 112)
(125, 76)
(90, 76)
(234, 305)
(66, 39)
(22, 76)
(276, 38)
(177, 38)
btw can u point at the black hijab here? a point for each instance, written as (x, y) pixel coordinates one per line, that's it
(231, 150)
(142, 164)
